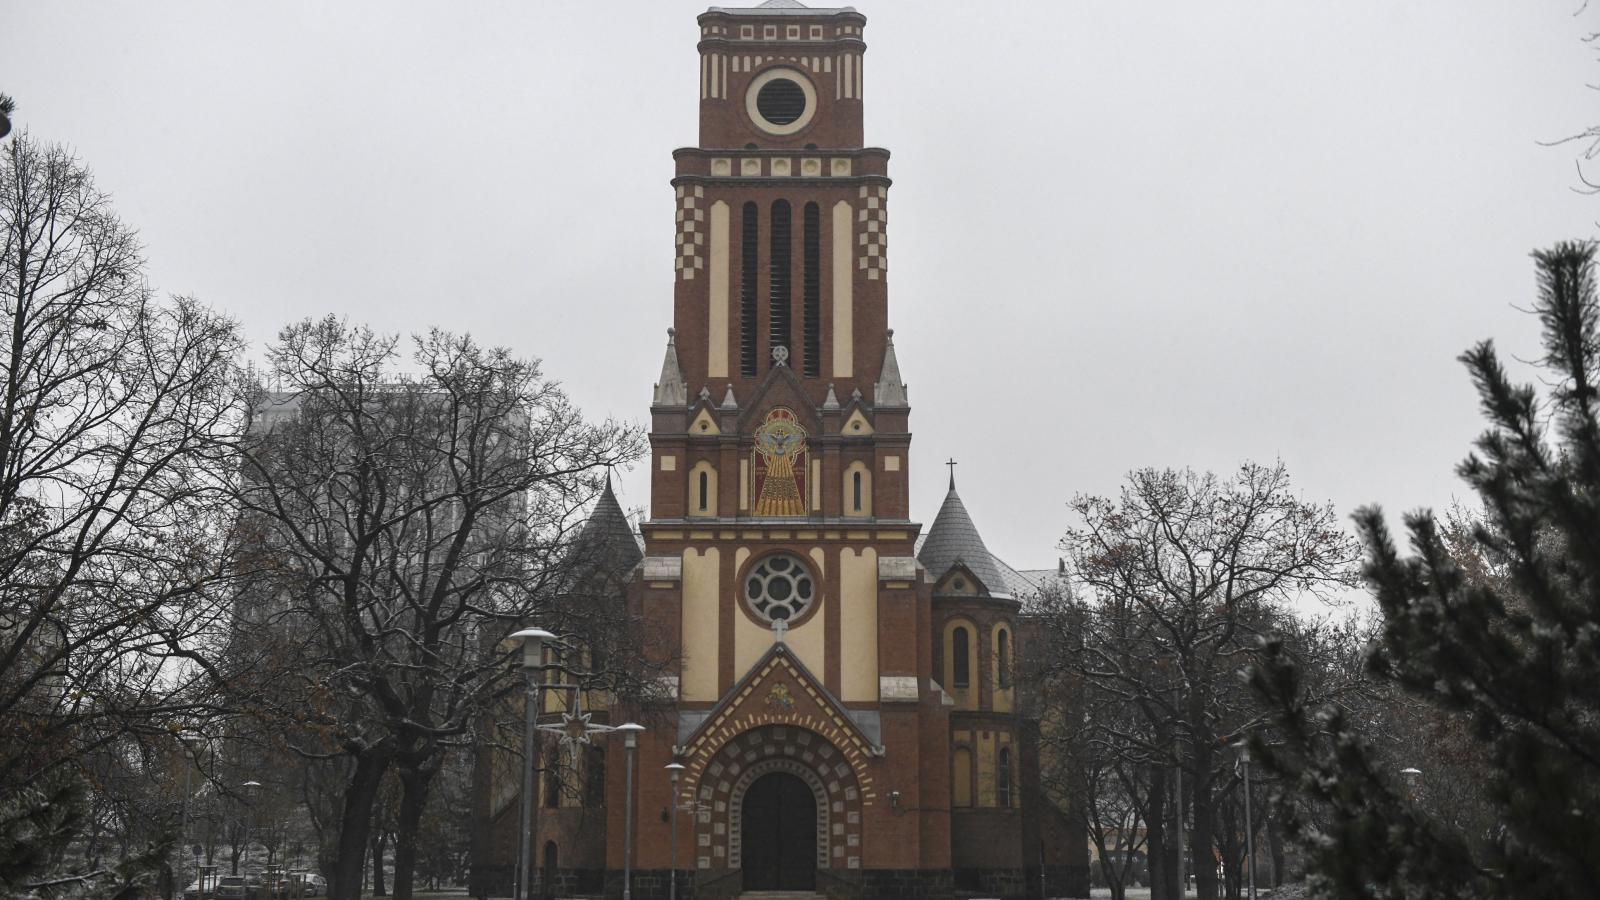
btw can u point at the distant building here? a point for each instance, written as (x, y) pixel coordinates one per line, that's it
(842, 699)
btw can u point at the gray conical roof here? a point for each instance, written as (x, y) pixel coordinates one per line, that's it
(953, 539)
(607, 538)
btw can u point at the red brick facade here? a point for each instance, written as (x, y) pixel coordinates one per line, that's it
(780, 314)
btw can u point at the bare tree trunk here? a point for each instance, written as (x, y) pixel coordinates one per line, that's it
(413, 798)
(1204, 810)
(1275, 847)
(356, 825)
(1162, 882)
(380, 841)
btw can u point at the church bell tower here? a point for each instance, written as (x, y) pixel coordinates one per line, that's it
(780, 556)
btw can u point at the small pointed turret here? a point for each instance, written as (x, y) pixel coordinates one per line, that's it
(953, 540)
(728, 401)
(890, 390)
(670, 390)
(832, 400)
(607, 540)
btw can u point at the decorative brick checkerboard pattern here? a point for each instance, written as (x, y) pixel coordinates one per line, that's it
(691, 231)
(777, 748)
(874, 240)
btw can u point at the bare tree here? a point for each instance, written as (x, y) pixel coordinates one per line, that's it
(404, 521)
(1180, 576)
(116, 411)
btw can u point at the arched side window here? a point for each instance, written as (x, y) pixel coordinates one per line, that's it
(961, 657)
(811, 287)
(857, 489)
(780, 277)
(703, 489)
(1002, 777)
(551, 860)
(961, 782)
(747, 291)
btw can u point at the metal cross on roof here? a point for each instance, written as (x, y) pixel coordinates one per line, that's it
(951, 462)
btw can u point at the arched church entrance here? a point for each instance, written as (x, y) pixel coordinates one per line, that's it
(779, 834)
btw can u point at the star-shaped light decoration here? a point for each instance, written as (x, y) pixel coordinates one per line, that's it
(575, 729)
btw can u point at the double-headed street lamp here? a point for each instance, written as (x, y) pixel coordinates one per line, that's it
(574, 728)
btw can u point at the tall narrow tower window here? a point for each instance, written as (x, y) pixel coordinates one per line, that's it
(705, 491)
(747, 294)
(856, 479)
(780, 278)
(1002, 645)
(812, 287)
(961, 657)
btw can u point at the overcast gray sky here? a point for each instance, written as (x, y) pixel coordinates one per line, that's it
(1124, 234)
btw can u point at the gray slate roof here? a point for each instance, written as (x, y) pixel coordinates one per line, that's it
(608, 535)
(954, 539)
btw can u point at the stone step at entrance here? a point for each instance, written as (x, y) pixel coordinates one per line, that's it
(780, 895)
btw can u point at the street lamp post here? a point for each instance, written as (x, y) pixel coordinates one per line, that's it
(1249, 832)
(532, 668)
(244, 851)
(674, 770)
(189, 763)
(630, 735)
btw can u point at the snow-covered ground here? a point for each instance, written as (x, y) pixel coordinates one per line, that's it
(1287, 892)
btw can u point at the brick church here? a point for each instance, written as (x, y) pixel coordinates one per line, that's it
(842, 696)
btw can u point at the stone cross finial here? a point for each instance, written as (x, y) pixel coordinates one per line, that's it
(779, 628)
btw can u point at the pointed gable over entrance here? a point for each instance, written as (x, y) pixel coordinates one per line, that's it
(780, 690)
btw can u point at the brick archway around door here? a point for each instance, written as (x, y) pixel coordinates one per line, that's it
(777, 748)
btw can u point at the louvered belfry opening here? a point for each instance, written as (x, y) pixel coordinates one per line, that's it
(812, 287)
(780, 276)
(747, 292)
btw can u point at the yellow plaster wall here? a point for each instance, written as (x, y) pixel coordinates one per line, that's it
(750, 639)
(717, 334)
(694, 489)
(844, 253)
(964, 697)
(700, 603)
(858, 623)
(849, 492)
(1004, 698)
(961, 782)
(988, 746)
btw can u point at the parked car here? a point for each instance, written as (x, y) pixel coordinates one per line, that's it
(240, 887)
(316, 885)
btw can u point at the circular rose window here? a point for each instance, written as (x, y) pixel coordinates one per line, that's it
(781, 101)
(779, 587)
